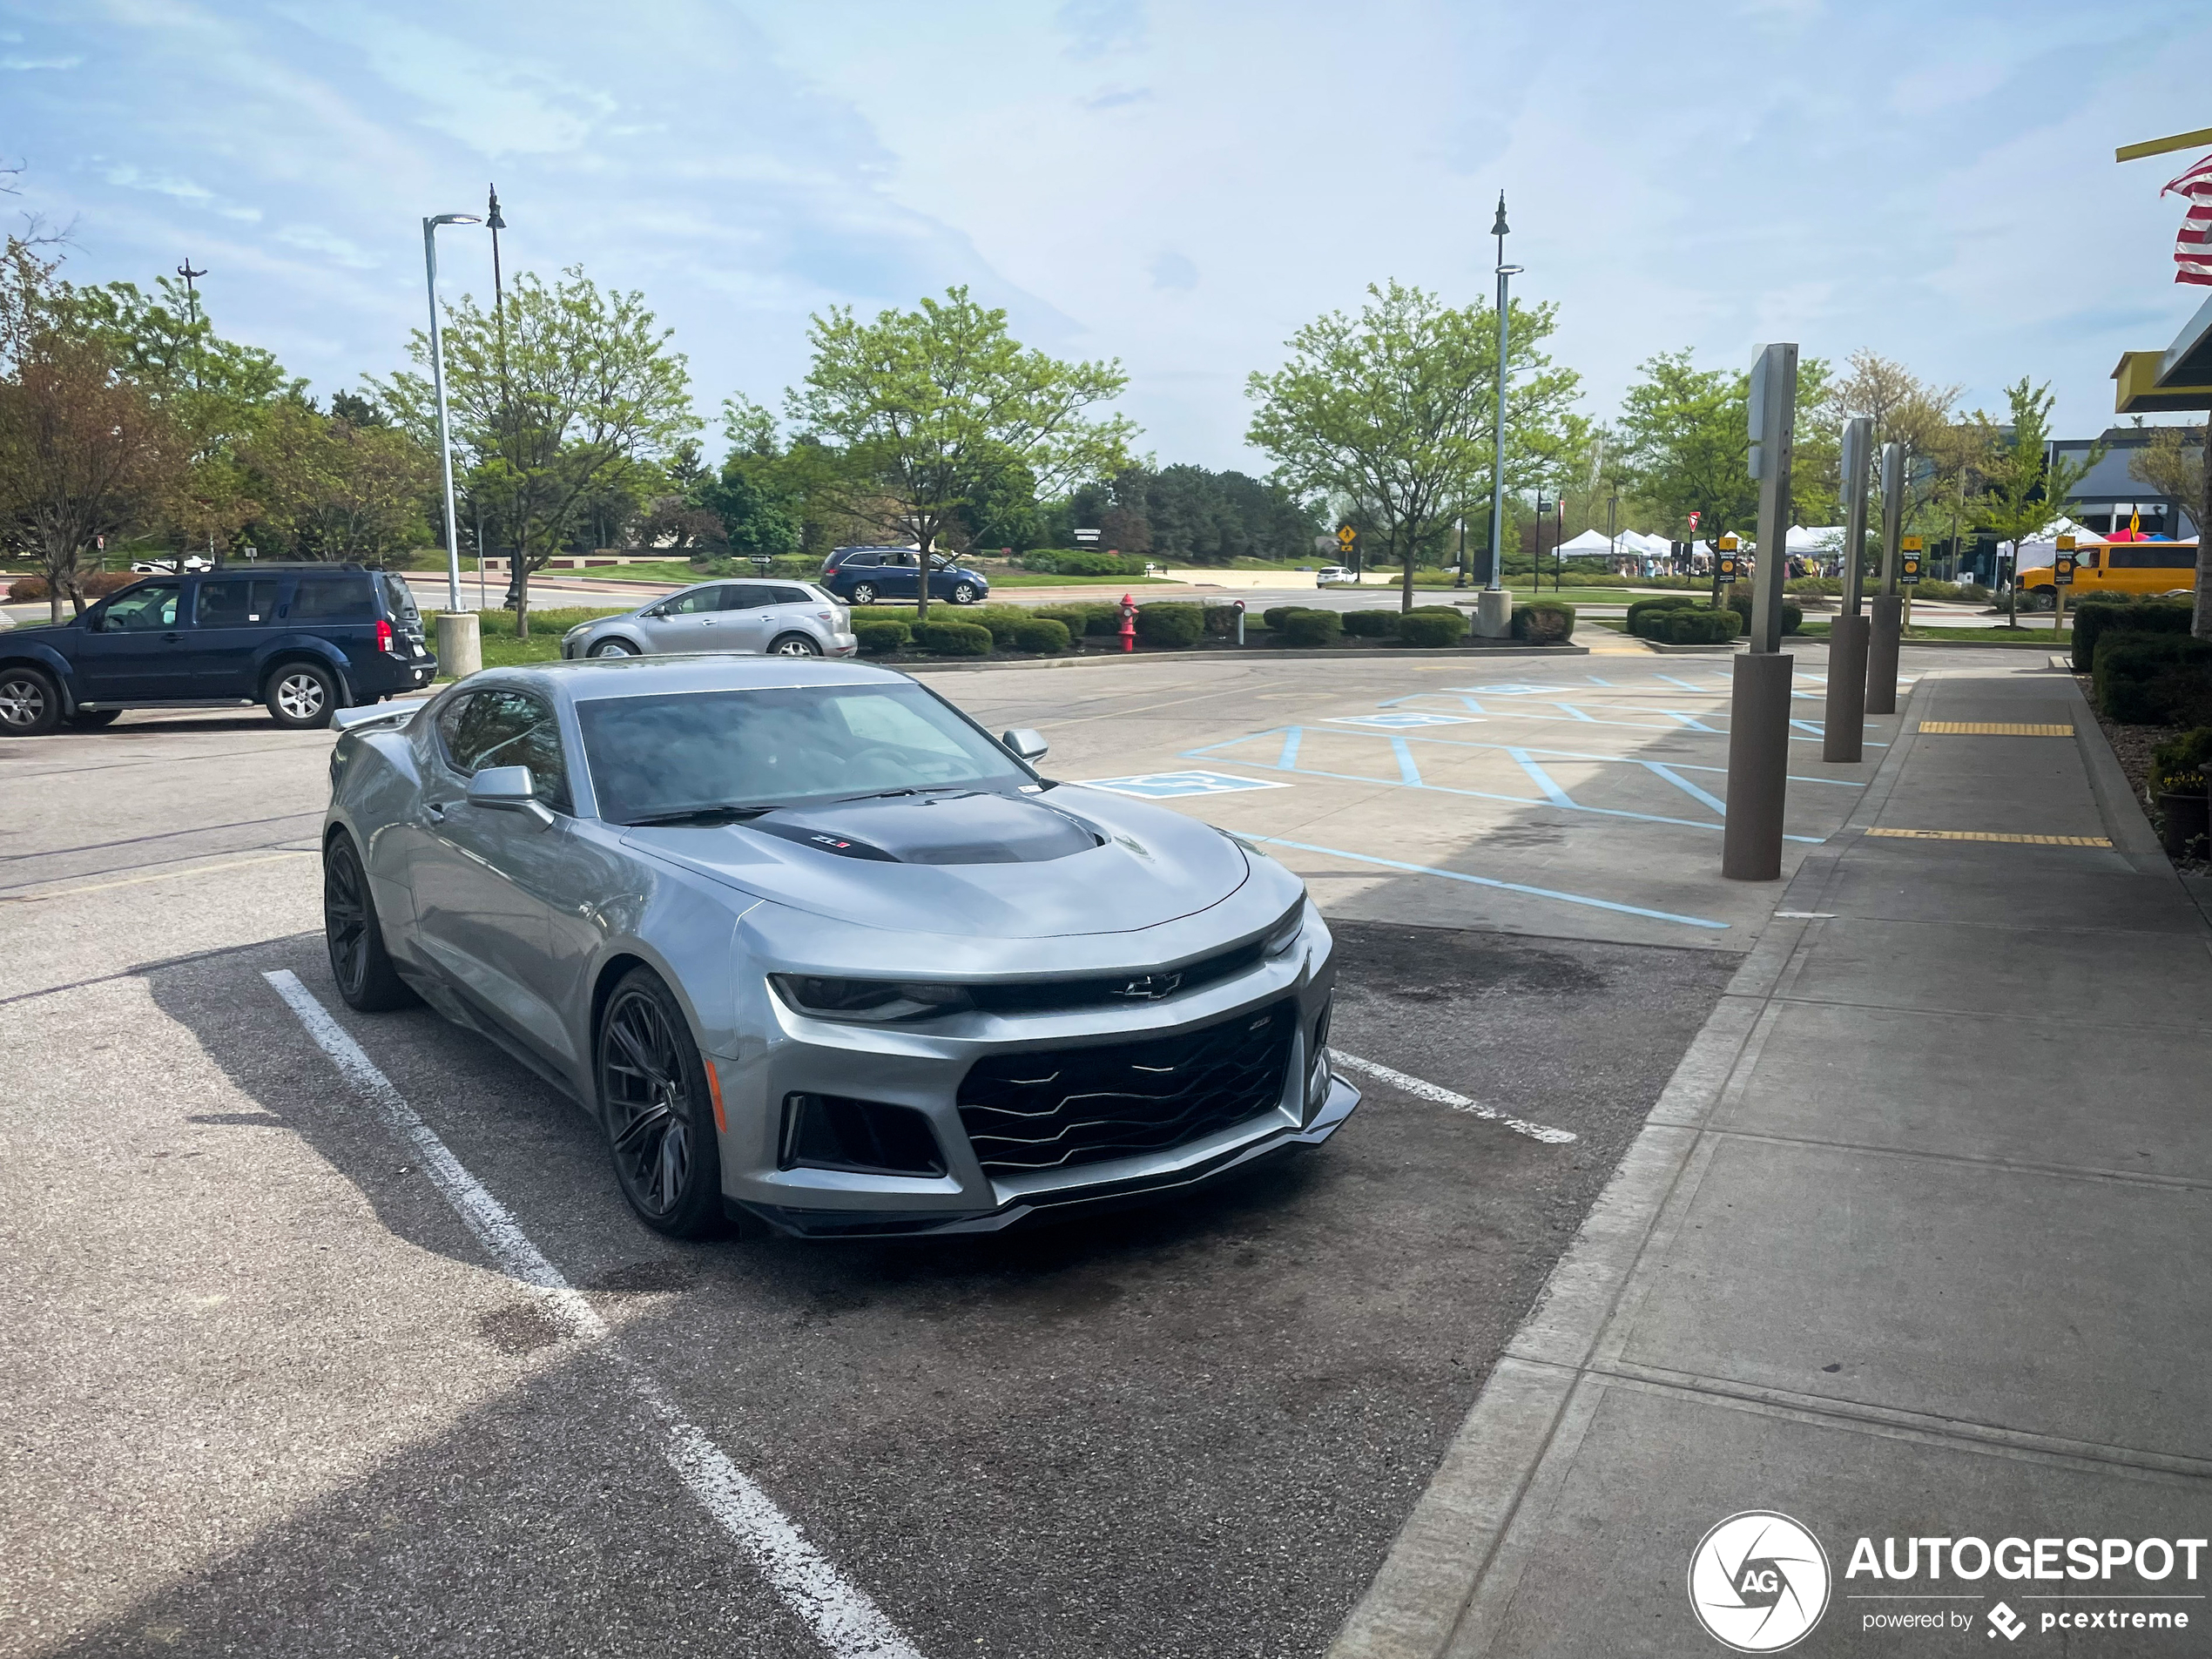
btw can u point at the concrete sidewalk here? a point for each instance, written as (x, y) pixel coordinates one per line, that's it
(1913, 1247)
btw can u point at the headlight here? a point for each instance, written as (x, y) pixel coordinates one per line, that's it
(1286, 931)
(874, 1000)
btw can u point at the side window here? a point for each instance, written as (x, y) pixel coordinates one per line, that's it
(399, 598)
(855, 560)
(334, 599)
(789, 597)
(236, 601)
(154, 605)
(508, 729)
(699, 599)
(744, 596)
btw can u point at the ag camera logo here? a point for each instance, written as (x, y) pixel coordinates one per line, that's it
(1758, 1581)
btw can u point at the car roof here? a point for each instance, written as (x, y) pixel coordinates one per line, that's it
(587, 679)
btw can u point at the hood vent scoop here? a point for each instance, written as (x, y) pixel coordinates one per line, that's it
(947, 827)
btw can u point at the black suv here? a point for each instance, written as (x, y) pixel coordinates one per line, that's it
(304, 640)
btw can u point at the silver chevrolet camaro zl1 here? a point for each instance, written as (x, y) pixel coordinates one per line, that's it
(821, 955)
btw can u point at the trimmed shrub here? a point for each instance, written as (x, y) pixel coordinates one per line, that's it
(2149, 680)
(1273, 617)
(903, 616)
(1813, 587)
(1003, 622)
(1543, 622)
(1045, 633)
(877, 637)
(1371, 624)
(1073, 561)
(2133, 615)
(1793, 618)
(1099, 621)
(1428, 629)
(1641, 610)
(1697, 625)
(1306, 630)
(1171, 626)
(97, 586)
(2180, 764)
(1221, 620)
(955, 639)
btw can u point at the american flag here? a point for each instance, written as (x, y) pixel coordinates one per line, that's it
(2193, 247)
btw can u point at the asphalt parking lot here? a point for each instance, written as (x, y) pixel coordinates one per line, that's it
(269, 1395)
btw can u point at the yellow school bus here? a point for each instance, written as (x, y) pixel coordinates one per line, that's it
(2121, 567)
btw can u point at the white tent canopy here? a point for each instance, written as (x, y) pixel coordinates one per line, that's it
(1591, 545)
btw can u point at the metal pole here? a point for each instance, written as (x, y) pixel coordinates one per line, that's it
(1843, 730)
(1493, 611)
(480, 554)
(445, 426)
(1462, 523)
(1888, 607)
(1758, 741)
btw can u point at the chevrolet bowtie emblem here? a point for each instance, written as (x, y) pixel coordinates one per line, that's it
(1152, 987)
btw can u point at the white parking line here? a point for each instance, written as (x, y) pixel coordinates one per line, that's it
(1423, 1089)
(841, 1615)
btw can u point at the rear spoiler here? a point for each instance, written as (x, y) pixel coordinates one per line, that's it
(373, 714)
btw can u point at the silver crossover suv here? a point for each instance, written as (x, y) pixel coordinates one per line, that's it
(820, 953)
(779, 618)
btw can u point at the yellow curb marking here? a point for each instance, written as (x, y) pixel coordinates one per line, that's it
(1993, 835)
(1992, 729)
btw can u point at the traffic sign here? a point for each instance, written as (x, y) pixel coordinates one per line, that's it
(1345, 536)
(1909, 570)
(2062, 570)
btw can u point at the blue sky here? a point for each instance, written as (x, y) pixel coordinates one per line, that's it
(1177, 187)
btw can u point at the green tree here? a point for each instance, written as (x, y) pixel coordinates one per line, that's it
(2025, 488)
(2174, 466)
(562, 427)
(330, 489)
(1395, 410)
(931, 409)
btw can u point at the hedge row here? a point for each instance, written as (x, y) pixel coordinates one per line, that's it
(2143, 679)
(2116, 611)
(27, 588)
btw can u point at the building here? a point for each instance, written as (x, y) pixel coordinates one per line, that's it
(2109, 497)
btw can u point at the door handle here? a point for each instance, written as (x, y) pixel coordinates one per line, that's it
(170, 638)
(707, 622)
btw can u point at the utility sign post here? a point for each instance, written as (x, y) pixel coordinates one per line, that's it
(1348, 545)
(1908, 575)
(1758, 740)
(2062, 578)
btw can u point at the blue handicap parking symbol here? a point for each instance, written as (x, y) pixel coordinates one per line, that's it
(1166, 785)
(1402, 719)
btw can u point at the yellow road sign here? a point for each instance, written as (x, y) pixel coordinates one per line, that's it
(1346, 536)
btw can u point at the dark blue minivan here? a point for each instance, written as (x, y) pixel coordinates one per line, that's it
(866, 576)
(302, 639)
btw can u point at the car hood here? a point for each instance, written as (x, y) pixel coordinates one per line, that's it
(970, 864)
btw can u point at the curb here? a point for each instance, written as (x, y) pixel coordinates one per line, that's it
(1245, 656)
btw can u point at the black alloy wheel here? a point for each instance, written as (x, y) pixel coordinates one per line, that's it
(659, 1116)
(365, 974)
(29, 703)
(863, 593)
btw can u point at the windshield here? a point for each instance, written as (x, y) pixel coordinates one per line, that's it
(658, 757)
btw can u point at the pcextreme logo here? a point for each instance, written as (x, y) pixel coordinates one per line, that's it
(1758, 1581)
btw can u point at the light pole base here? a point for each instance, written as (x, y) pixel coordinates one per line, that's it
(1843, 732)
(1881, 652)
(1492, 614)
(461, 649)
(1758, 767)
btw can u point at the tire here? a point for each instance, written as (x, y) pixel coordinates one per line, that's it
(659, 1116)
(301, 696)
(794, 645)
(863, 593)
(93, 719)
(964, 593)
(354, 936)
(29, 702)
(613, 648)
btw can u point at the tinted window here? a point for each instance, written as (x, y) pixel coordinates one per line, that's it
(859, 558)
(745, 595)
(698, 599)
(507, 729)
(152, 606)
(789, 597)
(651, 756)
(2153, 556)
(334, 599)
(236, 601)
(401, 598)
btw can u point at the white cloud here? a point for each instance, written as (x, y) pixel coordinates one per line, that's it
(316, 240)
(16, 60)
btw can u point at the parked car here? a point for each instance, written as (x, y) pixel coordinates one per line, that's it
(866, 576)
(304, 640)
(190, 565)
(1331, 576)
(781, 618)
(821, 955)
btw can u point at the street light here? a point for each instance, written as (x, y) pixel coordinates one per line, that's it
(438, 382)
(1492, 612)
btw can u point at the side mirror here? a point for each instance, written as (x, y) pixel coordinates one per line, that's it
(1025, 743)
(654, 611)
(508, 789)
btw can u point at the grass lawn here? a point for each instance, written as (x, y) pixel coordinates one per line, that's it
(2038, 638)
(502, 649)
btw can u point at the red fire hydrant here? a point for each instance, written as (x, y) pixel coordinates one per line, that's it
(1129, 622)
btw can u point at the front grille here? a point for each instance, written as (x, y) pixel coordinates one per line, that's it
(1057, 1107)
(1034, 996)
